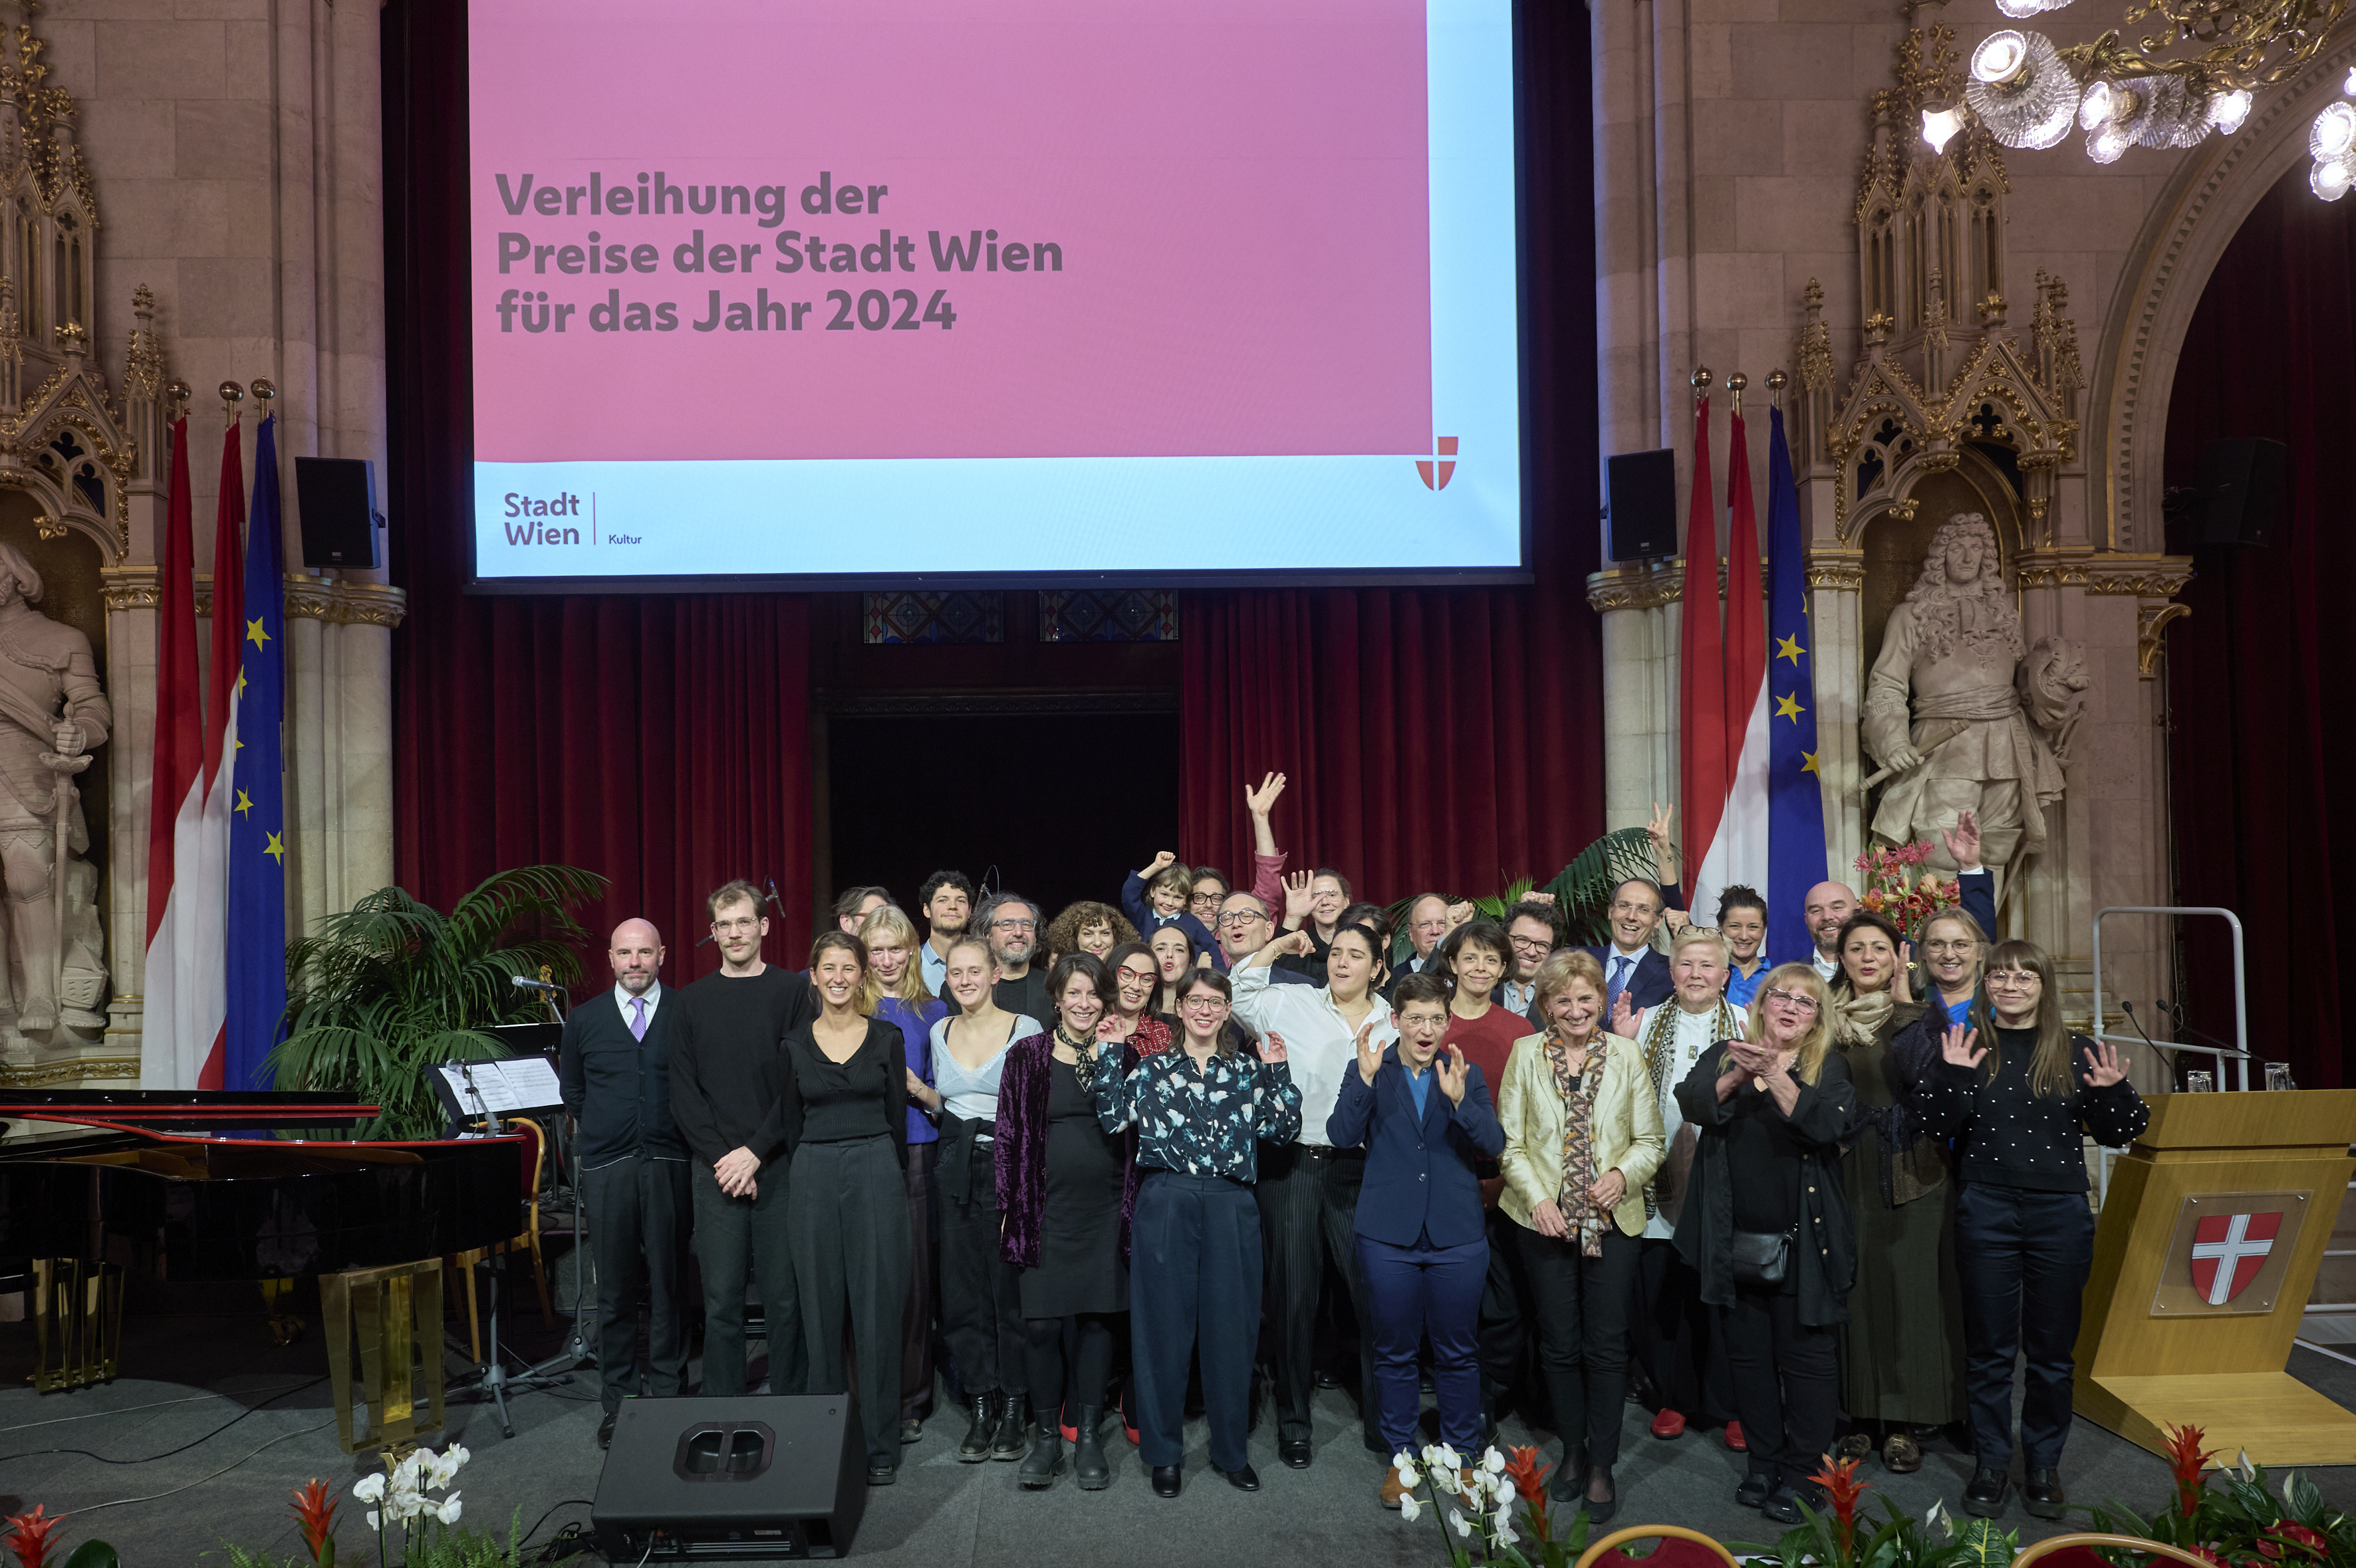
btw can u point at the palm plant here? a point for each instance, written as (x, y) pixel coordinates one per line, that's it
(1581, 891)
(389, 989)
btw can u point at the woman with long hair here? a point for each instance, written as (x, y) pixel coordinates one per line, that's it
(981, 1302)
(1066, 1188)
(1583, 1138)
(1086, 927)
(846, 1118)
(1951, 944)
(1174, 958)
(894, 991)
(1901, 1349)
(1199, 1113)
(2017, 1090)
(1766, 1227)
(1136, 977)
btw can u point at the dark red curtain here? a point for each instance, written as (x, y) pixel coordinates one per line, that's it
(2264, 803)
(660, 741)
(1437, 738)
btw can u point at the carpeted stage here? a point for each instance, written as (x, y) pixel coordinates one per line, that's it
(234, 1423)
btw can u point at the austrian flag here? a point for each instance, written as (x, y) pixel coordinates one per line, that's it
(2228, 1251)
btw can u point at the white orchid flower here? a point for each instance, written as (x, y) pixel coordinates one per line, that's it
(368, 1489)
(1505, 1536)
(375, 1520)
(1459, 1523)
(1409, 1509)
(1493, 1462)
(1448, 1457)
(410, 1468)
(1404, 1463)
(447, 1509)
(457, 1454)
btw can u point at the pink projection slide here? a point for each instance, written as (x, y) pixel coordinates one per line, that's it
(919, 229)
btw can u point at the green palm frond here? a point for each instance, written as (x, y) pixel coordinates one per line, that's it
(385, 991)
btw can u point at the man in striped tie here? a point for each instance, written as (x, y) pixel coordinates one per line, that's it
(616, 1073)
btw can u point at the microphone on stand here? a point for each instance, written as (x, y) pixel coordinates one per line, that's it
(2185, 1027)
(2127, 1007)
(542, 986)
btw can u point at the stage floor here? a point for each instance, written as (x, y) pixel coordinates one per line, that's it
(187, 1375)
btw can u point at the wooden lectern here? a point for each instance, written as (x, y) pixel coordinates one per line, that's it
(2211, 1235)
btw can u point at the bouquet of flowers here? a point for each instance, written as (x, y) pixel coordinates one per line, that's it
(1474, 1500)
(1900, 890)
(2241, 1524)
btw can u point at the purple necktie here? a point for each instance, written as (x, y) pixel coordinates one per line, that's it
(639, 1022)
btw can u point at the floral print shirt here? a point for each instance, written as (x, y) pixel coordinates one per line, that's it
(1203, 1122)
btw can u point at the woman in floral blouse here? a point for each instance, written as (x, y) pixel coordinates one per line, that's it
(1199, 1112)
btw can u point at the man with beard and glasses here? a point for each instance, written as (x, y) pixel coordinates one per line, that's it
(727, 1093)
(945, 900)
(1010, 924)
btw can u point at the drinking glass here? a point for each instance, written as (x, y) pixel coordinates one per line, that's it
(2199, 1083)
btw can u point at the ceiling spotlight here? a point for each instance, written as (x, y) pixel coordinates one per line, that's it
(2334, 132)
(2020, 90)
(2227, 110)
(2331, 178)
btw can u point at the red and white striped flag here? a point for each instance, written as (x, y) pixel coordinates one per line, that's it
(1737, 854)
(222, 685)
(1701, 682)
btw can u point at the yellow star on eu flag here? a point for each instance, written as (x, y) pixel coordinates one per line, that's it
(244, 803)
(254, 634)
(276, 850)
(240, 683)
(1788, 707)
(1785, 648)
(1808, 762)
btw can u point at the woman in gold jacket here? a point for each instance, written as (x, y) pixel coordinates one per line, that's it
(1583, 1138)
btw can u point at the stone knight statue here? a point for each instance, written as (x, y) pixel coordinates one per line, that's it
(1991, 720)
(52, 713)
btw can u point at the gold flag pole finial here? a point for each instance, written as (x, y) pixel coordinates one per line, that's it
(179, 393)
(1701, 379)
(1735, 384)
(263, 390)
(1776, 381)
(231, 394)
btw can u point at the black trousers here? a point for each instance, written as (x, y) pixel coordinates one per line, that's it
(1060, 1380)
(733, 1234)
(917, 1324)
(1673, 1334)
(848, 1217)
(639, 1220)
(2028, 1255)
(1308, 1199)
(1582, 1315)
(1786, 1383)
(981, 1297)
(1193, 1280)
(1508, 1376)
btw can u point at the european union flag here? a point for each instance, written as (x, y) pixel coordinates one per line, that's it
(1795, 801)
(257, 834)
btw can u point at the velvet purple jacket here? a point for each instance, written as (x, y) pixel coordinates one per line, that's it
(1021, 1146)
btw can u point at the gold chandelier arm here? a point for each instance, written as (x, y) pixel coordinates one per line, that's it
(2250, 46)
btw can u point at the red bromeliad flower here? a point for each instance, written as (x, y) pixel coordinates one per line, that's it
(315, 1510)
(28, 1536)
(1838, 1479)
(1529, 1476)
(2188, 1459)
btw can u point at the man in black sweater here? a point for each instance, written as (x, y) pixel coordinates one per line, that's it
(727, 1092)
(614, 1068)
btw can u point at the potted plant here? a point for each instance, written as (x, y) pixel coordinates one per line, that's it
(391, 988)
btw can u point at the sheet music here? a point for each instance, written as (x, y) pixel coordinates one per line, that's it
(508, 1087)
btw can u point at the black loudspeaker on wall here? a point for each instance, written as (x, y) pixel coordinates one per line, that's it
(341, 522)
(1643, 488)
(2241, 492)
(782, 1476)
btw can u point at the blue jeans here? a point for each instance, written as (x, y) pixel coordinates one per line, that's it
(2024, 1257)
(1422, 1290)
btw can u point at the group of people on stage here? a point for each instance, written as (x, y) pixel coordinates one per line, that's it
(1106, 1159)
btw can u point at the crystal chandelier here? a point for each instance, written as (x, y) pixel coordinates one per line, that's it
(2030, 94)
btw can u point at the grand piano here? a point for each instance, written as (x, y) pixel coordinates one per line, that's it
(141, 1180)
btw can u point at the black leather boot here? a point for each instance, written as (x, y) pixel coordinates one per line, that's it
(2040, 1494)
(1984, 1498)
(1012, 1438)
(1088, 1465)
(973, 1448)
(1045, 1460)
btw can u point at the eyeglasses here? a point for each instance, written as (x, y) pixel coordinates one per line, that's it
(1799, 999)
(743, 924)
(1961, 945)
(1013, 925)
(1204, 1004)
(1141, 976)
(1530, 944)
(2013, 980)
(1241, 916)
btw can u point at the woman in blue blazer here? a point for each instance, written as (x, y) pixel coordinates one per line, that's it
(1423, 1120)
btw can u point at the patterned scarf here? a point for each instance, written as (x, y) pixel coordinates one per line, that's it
(1587, 1223)
(1660, 1044)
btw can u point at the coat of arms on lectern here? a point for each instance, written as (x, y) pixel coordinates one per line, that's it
(2229, 1253)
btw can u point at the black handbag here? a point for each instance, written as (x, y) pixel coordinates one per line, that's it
(1762, 1257)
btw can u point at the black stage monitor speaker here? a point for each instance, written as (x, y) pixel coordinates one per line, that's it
(1644, 502)
(753, 1479)
(2241, 490)
(337, 498)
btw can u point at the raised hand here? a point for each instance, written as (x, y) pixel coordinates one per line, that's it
(1296, 943)
(1665, 848)
(1370, 1053)
(1271, 1049)
(1963, 841)
(1262, 801)
(1956, 1047)
(1296, 896)
(2104, 1067)
(1161, 858)
(1902, 988)
(1448, 1073)
(1609, 1189)
(1461, 911)
(1624, 1017)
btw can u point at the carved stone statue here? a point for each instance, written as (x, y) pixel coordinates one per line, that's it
(1991, 720)
(53, 712)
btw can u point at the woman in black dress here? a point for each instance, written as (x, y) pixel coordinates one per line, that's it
(846, 1114)
(1066, 1186)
